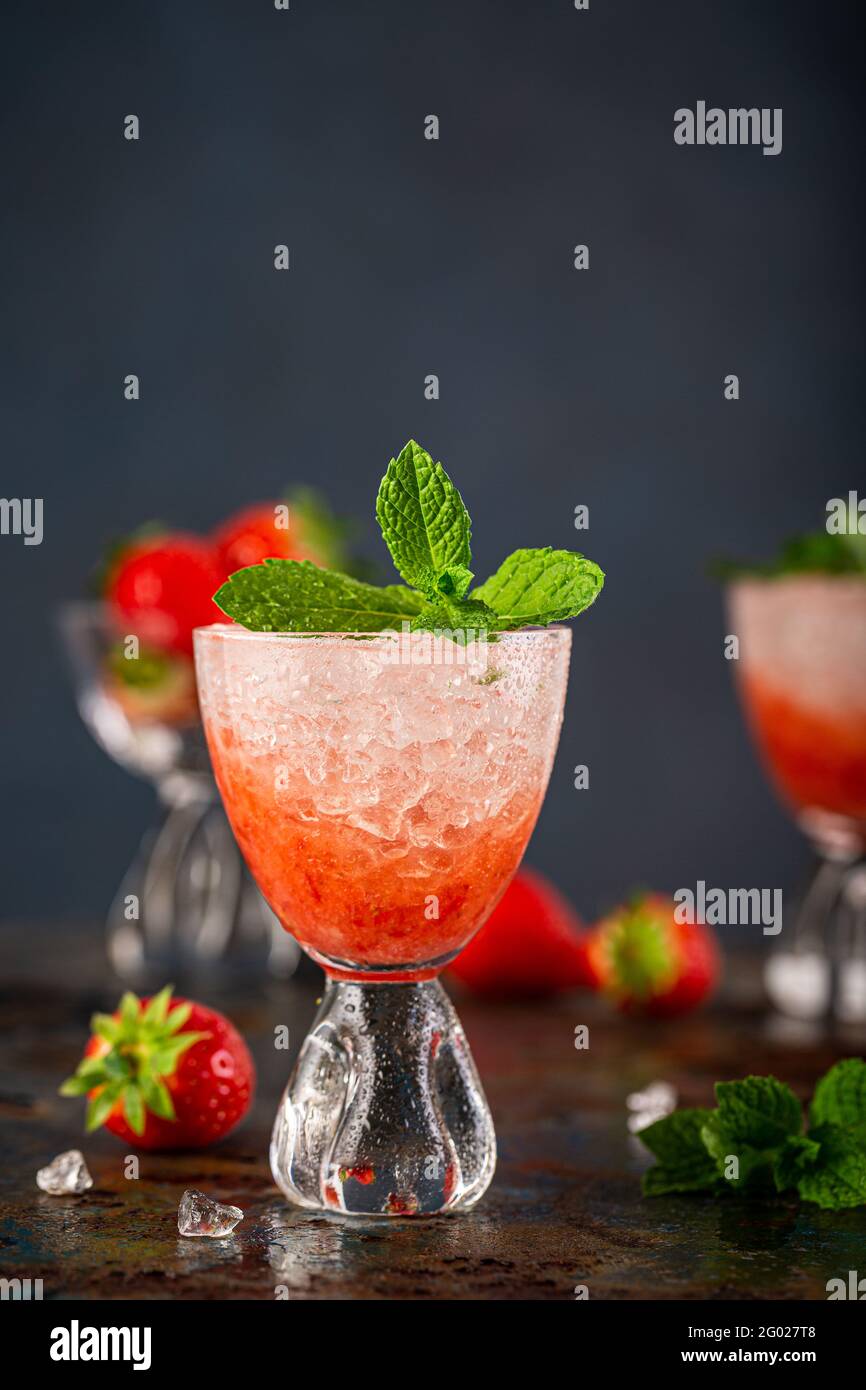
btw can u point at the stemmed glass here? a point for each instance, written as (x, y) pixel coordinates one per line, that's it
(382, 789)
(186, 907)
(802, 679)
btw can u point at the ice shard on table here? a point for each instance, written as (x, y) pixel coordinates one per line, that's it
(199, 1215)
(65, 1174)
(651, 1104)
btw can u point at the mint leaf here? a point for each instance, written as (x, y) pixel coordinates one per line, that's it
(837, 1179)
(424, 522)
(840, 1098)
(451, 582)
(753, 1166)
(758, 1111)
(684, 1164)
(459, 618)
(297, 596)
(798, 1153)
(536, 587)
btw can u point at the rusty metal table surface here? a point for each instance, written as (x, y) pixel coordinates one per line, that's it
(564, 1209)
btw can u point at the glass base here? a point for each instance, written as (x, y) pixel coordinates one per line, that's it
(384, 1114)
(818, 974)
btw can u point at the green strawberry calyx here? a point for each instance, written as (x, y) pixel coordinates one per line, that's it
(143, 1045)
(641, 952)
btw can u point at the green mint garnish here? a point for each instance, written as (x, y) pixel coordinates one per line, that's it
(425, 524)
(759, 1111)
(536, 587)
(840, 1098)
(683, 1162)
(797, 1155)
(818, 552)
(759, 1122)
(297, 596)
(427, 530)
(837, 1179)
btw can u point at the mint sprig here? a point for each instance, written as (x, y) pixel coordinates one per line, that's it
(759, 1122)
(426, 527)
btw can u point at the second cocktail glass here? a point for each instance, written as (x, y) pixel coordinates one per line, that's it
(383, 789)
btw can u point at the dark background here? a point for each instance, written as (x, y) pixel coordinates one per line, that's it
(412, 257)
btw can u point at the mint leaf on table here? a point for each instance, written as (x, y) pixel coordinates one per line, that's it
(758, 1111)
(683, 1162)
(837, 1179)
(536, 587)
(297, 596)
(840, 1098)
(759, 1121)
(797, 1155)
(753, 1166)
(424, 522)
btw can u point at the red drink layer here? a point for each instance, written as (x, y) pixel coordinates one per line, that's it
(382, 801)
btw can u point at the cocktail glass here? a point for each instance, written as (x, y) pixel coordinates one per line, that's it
(382, 789)
(186, 907)
(802, 679)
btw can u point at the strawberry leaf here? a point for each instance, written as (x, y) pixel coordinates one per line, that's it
(130, 1008)
(157, 1008)
(133, 1109)
(164, 1058)
(178, 1017)
(104, 1026)
(79, 1085)
(101, 1106)
(157, 1097)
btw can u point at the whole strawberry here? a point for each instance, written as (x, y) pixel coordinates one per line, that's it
(164, 1074)
(648, 962)
(530, 946)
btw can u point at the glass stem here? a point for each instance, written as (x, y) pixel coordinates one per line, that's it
(384, 1114)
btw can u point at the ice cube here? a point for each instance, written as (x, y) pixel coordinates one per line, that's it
(198, 1215)
(651, 1104)
(64, 1174)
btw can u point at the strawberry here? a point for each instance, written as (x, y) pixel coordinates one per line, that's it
(162, 587)
(164, 1074)
(648, 962)
(530, 945)
(260, 532)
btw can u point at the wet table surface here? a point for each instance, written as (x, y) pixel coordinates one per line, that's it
(564, 1209)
